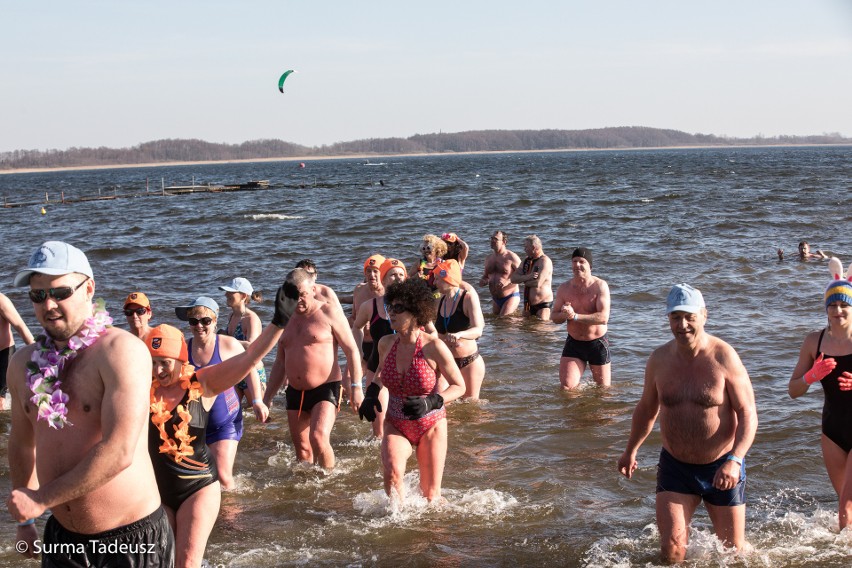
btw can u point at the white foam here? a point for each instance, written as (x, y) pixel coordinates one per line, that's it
(454, 503)
(264, 216)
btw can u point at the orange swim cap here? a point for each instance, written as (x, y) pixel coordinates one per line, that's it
(137, 298)
(374, 261)
(389, 264)
(167, 341)
(448, 271)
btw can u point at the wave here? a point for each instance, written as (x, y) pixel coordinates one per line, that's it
(265, 216)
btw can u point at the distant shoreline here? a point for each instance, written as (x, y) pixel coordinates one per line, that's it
(404, 155)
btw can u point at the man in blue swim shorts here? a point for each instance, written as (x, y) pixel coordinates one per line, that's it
(499, 266)
(703, 395)
(583, 303)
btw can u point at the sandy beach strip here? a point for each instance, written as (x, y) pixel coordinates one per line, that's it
(306, 159)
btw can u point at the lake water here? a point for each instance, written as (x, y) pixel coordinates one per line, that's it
(531, 472)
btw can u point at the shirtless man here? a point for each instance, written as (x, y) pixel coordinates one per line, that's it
(276, 378)
(9, 319)
(702, 393)
(499, 266)
(137, 310)
(309, 352)
(583, 302)
(90, 467)
(535, 273)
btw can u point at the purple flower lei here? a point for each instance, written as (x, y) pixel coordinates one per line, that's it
(47, 363)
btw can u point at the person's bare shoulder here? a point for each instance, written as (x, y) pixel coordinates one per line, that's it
(122, 353)
(229, 345)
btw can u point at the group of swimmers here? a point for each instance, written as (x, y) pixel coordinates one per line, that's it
(416, 341)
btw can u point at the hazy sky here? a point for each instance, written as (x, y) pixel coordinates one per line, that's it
(117, 73)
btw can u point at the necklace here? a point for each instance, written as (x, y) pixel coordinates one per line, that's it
(48, 361)
(179, 448)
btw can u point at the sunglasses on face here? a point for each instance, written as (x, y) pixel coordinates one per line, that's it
(203, 321)
(396, 309)
(138, 311)
(59, 293)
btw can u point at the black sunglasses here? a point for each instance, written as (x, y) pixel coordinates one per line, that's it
(203, 321)
(138, 311)
(59, 293)
(396, 309)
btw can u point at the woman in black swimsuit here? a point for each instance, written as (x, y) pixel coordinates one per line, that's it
(826, 357)
(459, 324)
(373, 311)
(181, 399)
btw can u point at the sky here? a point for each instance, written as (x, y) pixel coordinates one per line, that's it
(116, 74)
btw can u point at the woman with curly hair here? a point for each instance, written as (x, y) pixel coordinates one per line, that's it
(410, 362)
(432, 251)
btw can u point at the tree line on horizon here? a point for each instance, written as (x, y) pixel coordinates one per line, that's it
(193, 150)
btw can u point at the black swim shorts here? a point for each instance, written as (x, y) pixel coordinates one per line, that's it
(304, 401)
(533, 309)
(594, 352)
(148, 542)
(679, 477)
(5, 355)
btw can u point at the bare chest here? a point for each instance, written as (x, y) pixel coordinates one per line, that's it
(305, 331)
(499, 265)
(702, 389)
(583, 298)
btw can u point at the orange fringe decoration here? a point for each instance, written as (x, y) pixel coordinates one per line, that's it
(179, 448)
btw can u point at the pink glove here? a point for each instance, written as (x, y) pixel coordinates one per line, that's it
(820, 370)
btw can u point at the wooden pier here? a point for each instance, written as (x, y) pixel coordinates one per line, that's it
(164, 190)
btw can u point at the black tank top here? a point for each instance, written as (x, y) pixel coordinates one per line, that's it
(457, 321)
(379, 327)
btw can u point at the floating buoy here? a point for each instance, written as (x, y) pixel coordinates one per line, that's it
(43, 211)
(301, 164)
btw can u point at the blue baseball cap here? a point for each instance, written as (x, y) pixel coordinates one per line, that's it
(54, 258)
(684, 298)
(182, 312)
(238, 285)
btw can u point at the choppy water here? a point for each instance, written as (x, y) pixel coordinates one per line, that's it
(530, 476)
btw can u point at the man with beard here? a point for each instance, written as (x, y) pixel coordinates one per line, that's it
(78, 444)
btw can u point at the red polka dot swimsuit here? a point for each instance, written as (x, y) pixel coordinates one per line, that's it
(418, 380)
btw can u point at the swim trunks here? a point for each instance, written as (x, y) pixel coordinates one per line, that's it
(225, 421)
(837, 408)
(463, 362)
(148, 542)
(594, 352)
(177, 481)
(418, 380)
(499, 302)
(5, 355)
(379, 327)
(535, 308)
(305, 400)
(693, 479)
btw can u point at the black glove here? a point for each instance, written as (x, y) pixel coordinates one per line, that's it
(285, 304)
(370, 405)
(415, 407)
